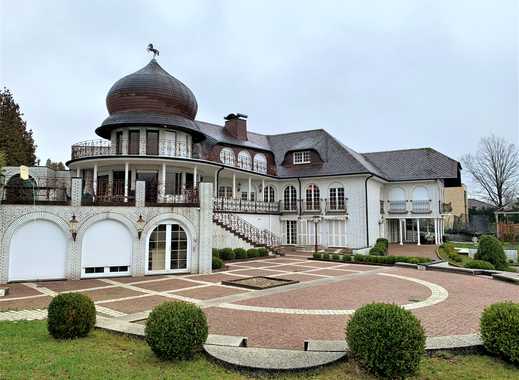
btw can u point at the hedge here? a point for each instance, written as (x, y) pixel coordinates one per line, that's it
(227, 254)
(216, 252)
(263, 252)
(240, 253)
(380, 248)
(390, 259)
(174, 330)
(499, 329)
(479, 264)
(386, 339)
(217, 263)
(71, 315)
(252, 252)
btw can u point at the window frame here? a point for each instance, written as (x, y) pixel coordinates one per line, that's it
(227, 156)
(301, 157)
(244, 160)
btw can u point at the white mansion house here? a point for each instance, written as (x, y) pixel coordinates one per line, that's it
(160, 189)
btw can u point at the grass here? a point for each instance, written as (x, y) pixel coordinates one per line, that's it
(472, 245)
(27, 351)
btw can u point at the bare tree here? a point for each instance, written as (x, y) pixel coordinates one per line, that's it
(495, 169)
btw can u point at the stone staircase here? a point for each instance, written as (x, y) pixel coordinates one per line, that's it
(247, 232)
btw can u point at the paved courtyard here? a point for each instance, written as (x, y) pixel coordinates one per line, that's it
(315, 308)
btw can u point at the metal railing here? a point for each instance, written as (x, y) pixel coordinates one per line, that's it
(246, 230)
(311, 205)
(109, 193)
(336, 206)
(421, 206)
(91, 148)
(397, 207)
(37, 190)
(240, 205)
(187, 198)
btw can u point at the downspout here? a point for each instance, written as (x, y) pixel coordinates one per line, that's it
(217, 179)
(300, 197)
(367, 209)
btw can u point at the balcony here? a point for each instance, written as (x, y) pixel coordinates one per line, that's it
(36, 190)
(421, 207)
(334, 206)
(397, 207)
(96, 148)
(245, 206)
(311, 206)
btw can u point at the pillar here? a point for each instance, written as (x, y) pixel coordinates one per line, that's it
(405, 228)
(77, 172)
(140, 194)
(233, 186)
(436, 240)
(195, 182)
(75, 192)
(94, 181)
(400, 232)
(183, 181)
(162, 189)
(126, 167)
(205, 238)
(249, 189)
(418, 229)
(215, 183)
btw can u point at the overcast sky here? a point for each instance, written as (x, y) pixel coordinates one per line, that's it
(378, 75)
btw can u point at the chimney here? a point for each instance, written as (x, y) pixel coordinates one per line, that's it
(236, 125)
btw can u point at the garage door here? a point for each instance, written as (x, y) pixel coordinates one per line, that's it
(106, 250)
(37, 252)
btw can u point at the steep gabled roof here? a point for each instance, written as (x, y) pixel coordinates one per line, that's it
(414, 164)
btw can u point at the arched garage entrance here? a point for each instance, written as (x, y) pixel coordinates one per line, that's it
(37, 251)
(106, 250)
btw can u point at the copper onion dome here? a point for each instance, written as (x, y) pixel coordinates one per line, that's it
(151, 90)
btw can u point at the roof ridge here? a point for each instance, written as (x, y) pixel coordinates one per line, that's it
(296, 132)
(400, 150)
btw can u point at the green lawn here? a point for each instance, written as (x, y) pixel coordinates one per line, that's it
(27, 351)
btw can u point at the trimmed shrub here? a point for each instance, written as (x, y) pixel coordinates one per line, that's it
(346, 258)
(217, 263)
(216, 252)
(317, 255)
(380, 248)
(174, 330)
(227, 254)
(384, 243)
(491, 250)
(71, 315)
(376, 251)
(335, 257)
(326, 256)
(240, 253)
(386, 340)
(262, 252)
(499, 327)
(252, 252)
(390, 259)
(479, 264)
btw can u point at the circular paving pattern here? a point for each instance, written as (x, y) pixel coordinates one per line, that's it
(318, 307)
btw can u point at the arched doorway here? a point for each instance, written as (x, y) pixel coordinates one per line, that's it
(168, 249)
(37, 251)
(106, 250)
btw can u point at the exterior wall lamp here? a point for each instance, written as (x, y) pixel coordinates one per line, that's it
(140, 226)
(72, 226)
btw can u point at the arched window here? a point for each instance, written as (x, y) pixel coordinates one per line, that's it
(244, 160)
(312, 198)
(420, 194)
(268, 194)
(336, 199)
(420, 202)
(397, 200)
(227, 156)
(260, 163)
(289, 198)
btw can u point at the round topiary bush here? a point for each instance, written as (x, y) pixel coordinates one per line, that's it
(240, 253)
(479, 264)
(491, 250)
(71, 315)
(252, 252)
(175, 330)
(499, 327)
(217, 263)
(263, 252)
(386, 340)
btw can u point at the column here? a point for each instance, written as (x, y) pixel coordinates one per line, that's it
(250, 189)
(418, 230)
(77, 172)
(183, 181)
(400, 232)
(215, 183)
(202, 263)
(436, 231)
(163, 182)
(195, 182)
(405, 229)
(233, 186)
(94, 181)
(126, 167)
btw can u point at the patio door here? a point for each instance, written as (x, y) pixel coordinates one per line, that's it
(291, 232)
(169, 249)
(152, 181)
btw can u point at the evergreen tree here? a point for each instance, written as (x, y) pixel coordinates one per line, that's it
(15, 139)
(54, 165)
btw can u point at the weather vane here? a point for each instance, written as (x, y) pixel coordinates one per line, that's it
(153, 50)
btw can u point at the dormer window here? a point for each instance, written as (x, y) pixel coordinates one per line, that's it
(227, 156)
(302, 157)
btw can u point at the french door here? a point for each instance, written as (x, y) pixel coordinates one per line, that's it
(168, 249)
(291, 232)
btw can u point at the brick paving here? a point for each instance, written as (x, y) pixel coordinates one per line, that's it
(424, 250)
(324, 286)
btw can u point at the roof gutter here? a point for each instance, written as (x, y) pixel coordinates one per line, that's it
(367, 209)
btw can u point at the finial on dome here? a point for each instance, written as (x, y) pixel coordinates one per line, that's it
(151, 49)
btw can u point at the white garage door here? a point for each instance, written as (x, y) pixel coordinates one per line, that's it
(37, 252)
(106, 250)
